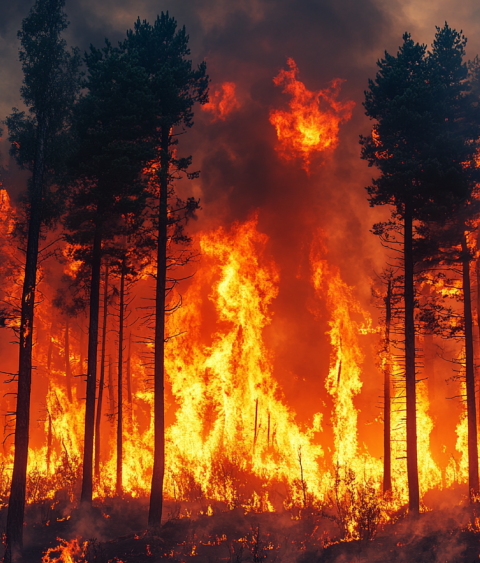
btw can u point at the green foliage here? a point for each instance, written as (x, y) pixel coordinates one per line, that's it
(112, 124)
(426, 136)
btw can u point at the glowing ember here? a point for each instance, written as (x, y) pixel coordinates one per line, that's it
(312, 123)
(222, 101)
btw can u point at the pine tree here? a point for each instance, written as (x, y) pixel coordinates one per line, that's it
(49, 87)
(162, 51)
(421, 156)
(111, 123)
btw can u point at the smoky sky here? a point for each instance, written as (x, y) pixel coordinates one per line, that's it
(248, 42)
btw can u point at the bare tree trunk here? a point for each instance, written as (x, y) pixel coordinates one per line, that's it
(387, 433)
(119, 486)
(410, 376)
(16, 503)
(87, 482)
(156, 495)
(68, 369)
(469, 374)
(101, 384)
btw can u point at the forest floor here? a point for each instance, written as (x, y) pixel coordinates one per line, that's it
(115, 531)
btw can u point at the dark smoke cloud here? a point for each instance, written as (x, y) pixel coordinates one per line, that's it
(248, 42)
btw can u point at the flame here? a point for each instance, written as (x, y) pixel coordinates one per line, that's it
(222, 102)
(68, 552)
(232, 418)
(343, 383)
(312, 123)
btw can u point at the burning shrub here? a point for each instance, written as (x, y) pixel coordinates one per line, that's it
(359, 508)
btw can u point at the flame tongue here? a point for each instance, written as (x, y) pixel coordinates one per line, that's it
(312, 122)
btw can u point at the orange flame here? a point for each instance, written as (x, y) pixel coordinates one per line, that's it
(222, 102)
(312, 123)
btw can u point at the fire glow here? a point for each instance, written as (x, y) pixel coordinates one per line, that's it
(312, 122)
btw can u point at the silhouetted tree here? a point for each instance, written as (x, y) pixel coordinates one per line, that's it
(111, 122)
(162, 50)
(49, 87)
(422, 157)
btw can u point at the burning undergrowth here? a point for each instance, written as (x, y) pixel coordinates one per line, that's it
(211, 532)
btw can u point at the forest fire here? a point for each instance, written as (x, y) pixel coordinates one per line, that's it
(312, 123)
(194, 370)
(223, 101)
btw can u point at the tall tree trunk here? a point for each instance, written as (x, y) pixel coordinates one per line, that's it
(16, 503)
(87, 481)
(387, 404)
(156, 495)
(101, 384)
(469, 374)
(119, 486)
(410, 376)
(68, 369)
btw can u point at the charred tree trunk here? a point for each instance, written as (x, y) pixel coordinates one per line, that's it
(387, 438)
(101, 384)
(410, 376)
(156, 496)
(87, 482)
(119, 486)
(68, 369)
(469, 374)
(16, 503)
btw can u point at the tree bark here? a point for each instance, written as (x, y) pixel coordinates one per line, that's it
(16, 503)
(101, 384)
(119, 485)
(469, 374)
(87, 481)
(410, 376)
(68, 369)
(387, 404)
(156, 496)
